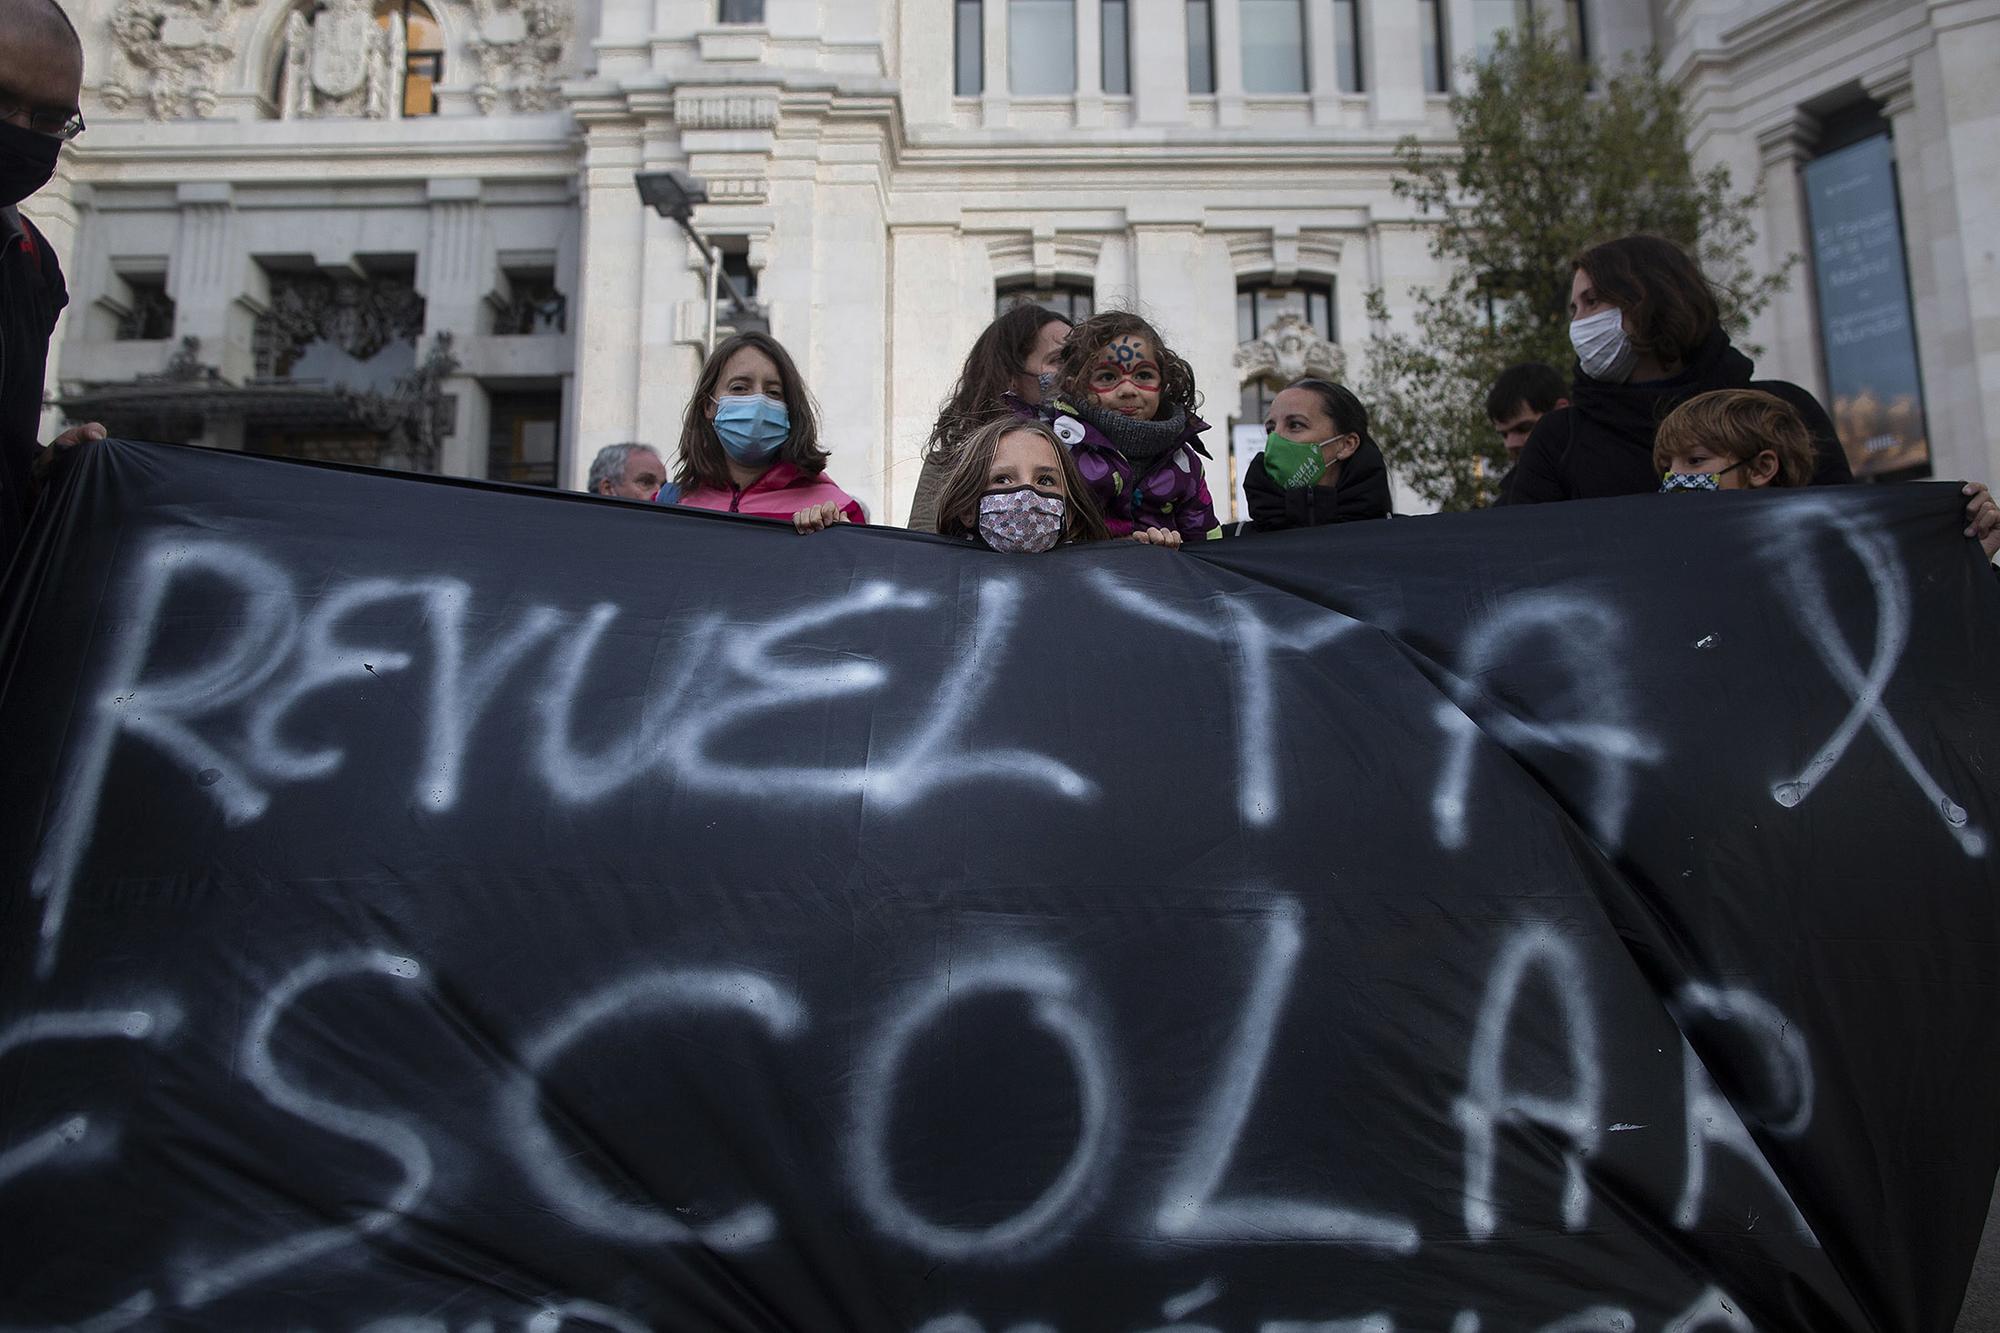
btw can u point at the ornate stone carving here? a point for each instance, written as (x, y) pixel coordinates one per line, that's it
(336, 60)
(1291, 349)
(174, 52)
(415, 415)
(361, 316)
(518, 51)
(343, 63)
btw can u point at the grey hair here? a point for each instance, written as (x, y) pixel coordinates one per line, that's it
(609, 465)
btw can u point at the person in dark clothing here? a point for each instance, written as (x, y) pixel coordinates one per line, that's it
(41, 77)
(1318, 464)
(1648, 336)
(1519, 398)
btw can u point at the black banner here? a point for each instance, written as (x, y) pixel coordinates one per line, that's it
(438, 907)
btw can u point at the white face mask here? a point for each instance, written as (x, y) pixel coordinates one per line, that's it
(1602, 347)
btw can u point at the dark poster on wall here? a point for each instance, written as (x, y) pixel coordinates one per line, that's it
(1867, 332)
(439, 907)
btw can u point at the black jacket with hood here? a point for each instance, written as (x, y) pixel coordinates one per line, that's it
(1362, 491)
(31, 296)
(1602, 443)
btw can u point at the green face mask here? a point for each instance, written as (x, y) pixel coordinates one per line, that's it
(1292, 465)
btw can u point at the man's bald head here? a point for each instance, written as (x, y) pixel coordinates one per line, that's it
(41, 56)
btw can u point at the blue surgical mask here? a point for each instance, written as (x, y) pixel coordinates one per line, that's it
(752, 428)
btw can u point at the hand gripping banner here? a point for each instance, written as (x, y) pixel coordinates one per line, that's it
(436, 907)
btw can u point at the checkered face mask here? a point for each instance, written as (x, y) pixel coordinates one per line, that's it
(1021, 520)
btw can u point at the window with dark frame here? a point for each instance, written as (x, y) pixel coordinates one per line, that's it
(1258, 307)
(1201, 47)
(1579, 29)
(742, 11)
(1430, 31)
(524, 440)
(970, 29)
(1074, 301)
(149, 311)
(423, 53)
(1115, 20)
(533, 308)
(1350, 71)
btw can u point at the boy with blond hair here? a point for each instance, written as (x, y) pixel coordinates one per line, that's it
(1732, 440)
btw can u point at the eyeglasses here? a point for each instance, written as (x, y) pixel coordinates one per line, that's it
(63, 123)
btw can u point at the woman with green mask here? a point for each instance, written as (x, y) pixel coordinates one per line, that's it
(1318, 464)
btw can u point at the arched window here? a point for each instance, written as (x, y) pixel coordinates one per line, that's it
(423, 63)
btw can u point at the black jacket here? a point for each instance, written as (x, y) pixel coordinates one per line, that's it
(1602, 443)
(1361, 492)
(31, 296)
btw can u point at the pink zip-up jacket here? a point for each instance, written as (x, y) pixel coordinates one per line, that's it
(782, 491)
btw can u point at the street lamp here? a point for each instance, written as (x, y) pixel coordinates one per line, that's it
(674, 194)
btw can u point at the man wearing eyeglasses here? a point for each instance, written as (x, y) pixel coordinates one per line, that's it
(41, 78)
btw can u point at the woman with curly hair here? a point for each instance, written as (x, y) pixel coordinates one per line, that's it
(1125, 404)
(1002, 377)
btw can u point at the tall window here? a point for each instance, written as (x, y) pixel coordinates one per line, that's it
(1274, 46)
(1041, 47)
(1579, 31)
(423, 63)
(742, 11)
(1430, 31)
(971, 33)
(524, 437)
(1347, 65)
(1074, 301)
(1117, 26)
(1201, 46)
(1259, 307)
(1490, 18)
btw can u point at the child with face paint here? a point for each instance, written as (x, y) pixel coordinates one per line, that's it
(1318, 465)
(750, 440)
(1014, 488)
(1124, 405)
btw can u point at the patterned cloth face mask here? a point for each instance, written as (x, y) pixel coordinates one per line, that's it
(1021, 520)
(1684, 482)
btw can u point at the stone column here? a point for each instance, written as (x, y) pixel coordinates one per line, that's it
(1459, 47)
(1159, 61)
(1089, 64)
(455, 273)
(840, 331)
(1322, 70)
(610, 268)
(927, 63)
(1229, 110)
(934, 316)
(1968, 53)
(1393, 61)
(206, 278)
(1185, 284)
(993, 98)
(1786, 230)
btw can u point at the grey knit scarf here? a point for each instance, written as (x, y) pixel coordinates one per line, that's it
(1140, 441)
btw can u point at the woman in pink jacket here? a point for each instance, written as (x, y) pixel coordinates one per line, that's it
(750, 441)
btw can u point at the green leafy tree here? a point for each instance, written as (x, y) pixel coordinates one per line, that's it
(1543, 166)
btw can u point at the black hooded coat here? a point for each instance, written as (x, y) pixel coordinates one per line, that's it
(1602, 443)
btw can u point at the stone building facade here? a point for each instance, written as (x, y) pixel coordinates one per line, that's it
(406, 231)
